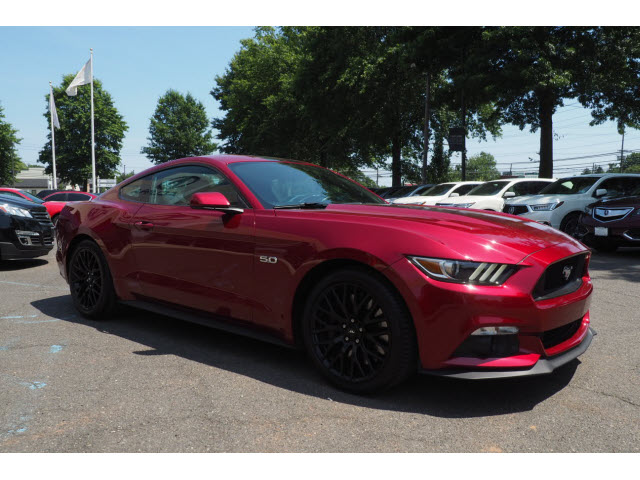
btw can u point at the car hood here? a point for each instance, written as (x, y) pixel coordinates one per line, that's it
(630, 201)
(456, 233)
(539, 199)
(17, 201)
(467, 199)
(419, 199)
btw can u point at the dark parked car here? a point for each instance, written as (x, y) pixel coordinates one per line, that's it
(44, 193)
(294, 253)
(612, 223)
(25, 229)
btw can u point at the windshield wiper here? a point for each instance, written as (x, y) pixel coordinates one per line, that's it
(303, 205)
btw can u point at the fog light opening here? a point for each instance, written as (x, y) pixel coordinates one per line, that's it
(496, 331)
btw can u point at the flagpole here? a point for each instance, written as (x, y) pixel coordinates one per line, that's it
(93, 142)
(54, 184)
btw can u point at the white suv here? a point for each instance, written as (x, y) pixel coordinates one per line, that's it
(438, 193)
(561, 203)
(491, 195)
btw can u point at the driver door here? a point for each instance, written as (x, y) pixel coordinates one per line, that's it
(201, 259)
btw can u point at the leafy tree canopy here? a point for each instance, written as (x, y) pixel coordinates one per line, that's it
(178, 128)
(10, 163)
(73, 138)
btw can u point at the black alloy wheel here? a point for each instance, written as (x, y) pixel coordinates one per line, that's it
(90, 281)
(358, 333)
(571, 225)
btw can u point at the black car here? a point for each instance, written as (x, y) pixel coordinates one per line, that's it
(26, 230)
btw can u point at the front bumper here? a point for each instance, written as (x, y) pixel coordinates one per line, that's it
(445, 316)
(621, 233)
(36, 240)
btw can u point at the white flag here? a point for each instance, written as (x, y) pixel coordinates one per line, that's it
(82, 78)
(52, 109)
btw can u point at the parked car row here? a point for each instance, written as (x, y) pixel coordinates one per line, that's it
(54, 200)
(599, 209)
(26, 230)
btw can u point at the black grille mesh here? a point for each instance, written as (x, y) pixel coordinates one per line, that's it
(554, 337)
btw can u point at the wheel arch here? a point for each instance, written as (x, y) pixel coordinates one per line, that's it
(313, 276)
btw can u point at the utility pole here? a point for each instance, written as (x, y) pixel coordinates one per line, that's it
(622, 152)
(427, 115)
(464, 122)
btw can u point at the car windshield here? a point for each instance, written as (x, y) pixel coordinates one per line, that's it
(438, 190)
(489, 188)
(423, 190)
(404, 191)
(287, 183)
(33, 198)
(569, 186)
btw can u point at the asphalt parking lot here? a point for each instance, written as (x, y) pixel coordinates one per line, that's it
(145, 383)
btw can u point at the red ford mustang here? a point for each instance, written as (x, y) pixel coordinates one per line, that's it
(294, 253)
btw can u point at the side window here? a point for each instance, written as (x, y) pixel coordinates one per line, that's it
(613, 185)
(10, 194)
(175, 186)
(535, 187)
(137, 191)
(77, 197)
(464, 189)
(57, 197)
(630, 185)
(518, 188)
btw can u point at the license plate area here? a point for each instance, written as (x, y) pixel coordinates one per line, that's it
(601, 231)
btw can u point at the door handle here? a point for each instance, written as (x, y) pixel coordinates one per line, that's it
(143, 225)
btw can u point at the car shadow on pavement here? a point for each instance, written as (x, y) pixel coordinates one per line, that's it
(12, 265)
(290, 369)
(621, 265)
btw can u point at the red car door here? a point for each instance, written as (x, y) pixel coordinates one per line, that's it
(201, 259)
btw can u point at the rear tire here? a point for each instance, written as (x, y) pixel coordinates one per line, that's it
(90, 281)
(358, 333)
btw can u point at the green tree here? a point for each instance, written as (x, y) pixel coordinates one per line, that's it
(178, 128)
(532, 70)
(73, 138)
(10, 163)
(121, 177)
(631, 163)
(482, 167)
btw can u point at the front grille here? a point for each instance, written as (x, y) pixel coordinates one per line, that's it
(561, 278)
(611, 214)
(515, 209)
(41, 216)
(554, 337)
(47, 239)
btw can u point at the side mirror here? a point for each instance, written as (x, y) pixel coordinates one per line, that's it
(601, 192)
(509, 194)
(213, 201)
(454, 194)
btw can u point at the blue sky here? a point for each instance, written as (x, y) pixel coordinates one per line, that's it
(138, 64)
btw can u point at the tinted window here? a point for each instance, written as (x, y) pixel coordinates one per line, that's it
(620, 186)
(284, 183)
(423, 190)
(438, 190)
(33, 198)
(488, 188)
(175, 186)
(57, 197)
(10, 194)
(526, 188)
(137, 191)
(464, 189)
(570, 186)
(77, 197)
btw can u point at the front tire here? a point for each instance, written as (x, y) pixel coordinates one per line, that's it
(358, 333)
(90, 281)
(570, 225)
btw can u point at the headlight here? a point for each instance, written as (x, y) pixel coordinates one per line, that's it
(545, 207)
(464, 205)
(462, 271)
(20, 212)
